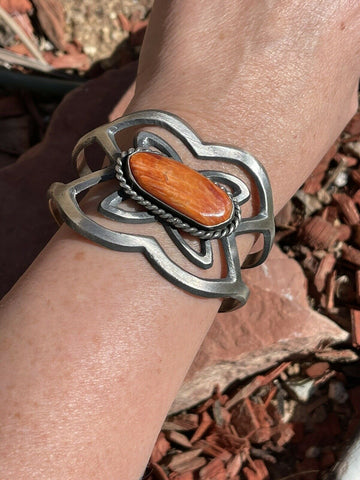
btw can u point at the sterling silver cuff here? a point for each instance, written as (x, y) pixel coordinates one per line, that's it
(146, 174)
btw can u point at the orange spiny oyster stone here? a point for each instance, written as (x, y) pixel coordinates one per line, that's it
(181, 188)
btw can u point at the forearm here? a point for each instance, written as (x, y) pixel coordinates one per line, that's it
(95, 343)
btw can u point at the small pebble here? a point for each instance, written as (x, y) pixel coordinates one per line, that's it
(293, 369)
(312, 452)
(302, 389)
(342, 179)
(337, 392)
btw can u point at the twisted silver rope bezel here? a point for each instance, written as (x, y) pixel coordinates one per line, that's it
(168, 217)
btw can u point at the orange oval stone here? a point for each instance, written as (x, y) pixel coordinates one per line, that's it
(181, 188)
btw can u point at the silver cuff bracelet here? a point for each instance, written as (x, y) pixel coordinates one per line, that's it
(205, 204)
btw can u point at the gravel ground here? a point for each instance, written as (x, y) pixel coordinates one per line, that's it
(95, 24)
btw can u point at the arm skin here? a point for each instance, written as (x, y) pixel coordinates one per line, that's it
(94, 343)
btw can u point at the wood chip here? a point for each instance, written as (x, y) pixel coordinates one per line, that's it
(330, 214)
(214, 470)
(330, 290)
(234, 465)
(313, 183)
(252, 421)
(349, 161)
(353, 127)
(257, 382)
(205, 423)
(355, 327)
(318, 233)
(160, 449)
(355, 175)
(182, 423)
(324, 270)
(257, 472)
(158, 472)
(356, 197)
(348, 208)
(344, 232)
(351, 254)
(282, 434)
(186, 462)
(52, 20)
(178, 438)
(181, 476)
(211, 448)
(317, 369)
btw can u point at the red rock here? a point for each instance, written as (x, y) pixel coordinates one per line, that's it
(182, 188)
(275, 323)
